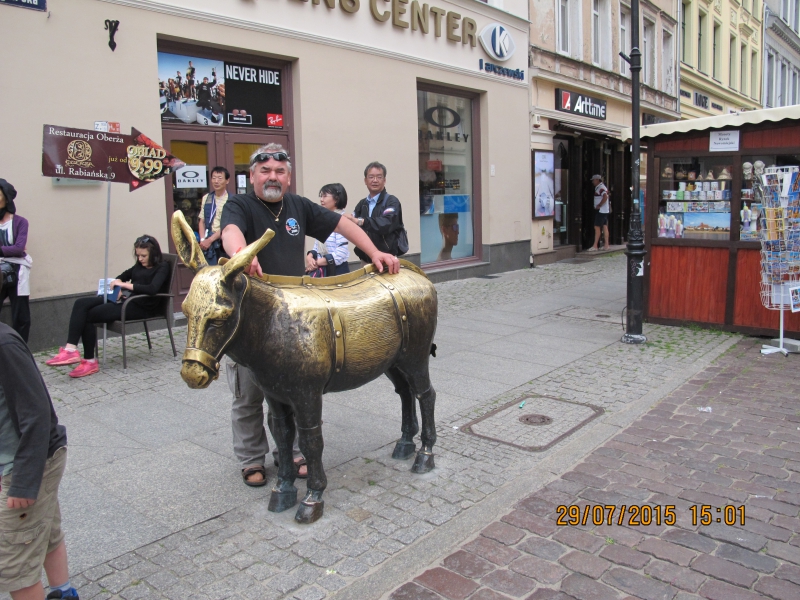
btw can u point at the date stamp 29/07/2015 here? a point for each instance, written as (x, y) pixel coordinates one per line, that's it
(635, 515)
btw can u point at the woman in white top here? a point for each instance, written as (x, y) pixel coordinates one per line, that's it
(333, 259)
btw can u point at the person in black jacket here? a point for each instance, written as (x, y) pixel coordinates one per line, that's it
(33, 454)
(380, 214)
(148, 276)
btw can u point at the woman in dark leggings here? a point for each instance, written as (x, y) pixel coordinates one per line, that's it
(147, 277)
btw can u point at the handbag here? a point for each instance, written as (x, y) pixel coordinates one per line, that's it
(10, 274)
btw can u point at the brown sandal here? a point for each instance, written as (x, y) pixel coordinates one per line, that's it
(252, 471)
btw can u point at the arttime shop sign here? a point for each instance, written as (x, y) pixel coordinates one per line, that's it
(580, 104)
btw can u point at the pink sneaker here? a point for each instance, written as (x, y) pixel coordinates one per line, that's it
(64, 357)
(87, 367)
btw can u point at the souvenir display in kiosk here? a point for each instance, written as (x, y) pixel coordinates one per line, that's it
(695, 199)
(778, 192)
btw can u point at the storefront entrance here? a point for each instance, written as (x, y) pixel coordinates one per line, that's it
(576, 158)
(204, 150)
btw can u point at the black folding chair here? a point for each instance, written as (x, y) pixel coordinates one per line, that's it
(165, 312)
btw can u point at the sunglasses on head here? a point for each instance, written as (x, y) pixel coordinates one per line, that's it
(265, 156)
(143, 240)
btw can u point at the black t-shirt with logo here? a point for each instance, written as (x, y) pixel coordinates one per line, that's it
(285, 254)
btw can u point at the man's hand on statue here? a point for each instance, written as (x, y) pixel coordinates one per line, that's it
(254, 270)
(381, 258)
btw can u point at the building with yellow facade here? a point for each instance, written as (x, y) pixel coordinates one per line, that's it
(721, 56)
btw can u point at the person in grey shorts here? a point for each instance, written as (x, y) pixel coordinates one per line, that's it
(33, 454)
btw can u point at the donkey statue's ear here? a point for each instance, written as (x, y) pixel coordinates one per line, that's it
(188, 249)
(241, 260)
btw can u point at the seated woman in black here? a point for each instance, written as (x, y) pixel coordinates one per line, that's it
(147, 277)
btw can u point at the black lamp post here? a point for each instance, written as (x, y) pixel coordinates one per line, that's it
(635, 250)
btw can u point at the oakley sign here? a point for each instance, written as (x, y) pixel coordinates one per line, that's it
(497, 42)
(578, 104)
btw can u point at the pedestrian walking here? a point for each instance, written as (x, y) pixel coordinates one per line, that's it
(33, 454)
(602, 207)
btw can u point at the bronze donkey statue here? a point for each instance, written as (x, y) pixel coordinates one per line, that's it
(303, 337)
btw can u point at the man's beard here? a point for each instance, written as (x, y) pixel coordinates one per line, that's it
(271, 192)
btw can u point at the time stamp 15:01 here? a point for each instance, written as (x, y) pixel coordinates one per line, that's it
(645, 514)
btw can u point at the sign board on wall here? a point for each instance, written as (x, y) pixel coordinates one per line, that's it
(580, 104)
(723, 141)
(33, 4)
(544, 184)
(212, 92)
(191, 176)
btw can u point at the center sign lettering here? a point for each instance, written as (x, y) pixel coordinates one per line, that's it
(579, 104)
(416, 16)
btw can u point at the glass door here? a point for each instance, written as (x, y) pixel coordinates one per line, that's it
(186, 188)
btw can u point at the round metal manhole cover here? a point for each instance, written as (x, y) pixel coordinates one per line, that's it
(535, 419)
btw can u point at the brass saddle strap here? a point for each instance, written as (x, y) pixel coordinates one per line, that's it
(203, 357)
(336, 323)
(401, 308)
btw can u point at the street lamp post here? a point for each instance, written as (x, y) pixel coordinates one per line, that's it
(635, 249)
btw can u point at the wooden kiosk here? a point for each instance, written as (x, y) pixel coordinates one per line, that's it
(701, 227)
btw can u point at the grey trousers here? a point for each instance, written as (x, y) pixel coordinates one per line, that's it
(250, 442)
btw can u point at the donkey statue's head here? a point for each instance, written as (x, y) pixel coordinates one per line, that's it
(213, 307)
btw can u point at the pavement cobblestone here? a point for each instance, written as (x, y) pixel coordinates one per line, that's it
(670, 453)
(376, 509)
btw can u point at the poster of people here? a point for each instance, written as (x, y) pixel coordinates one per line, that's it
(544, 184)
(212, 92)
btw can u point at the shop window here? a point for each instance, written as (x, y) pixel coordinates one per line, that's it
(753, 169)
(447, 199)
(695, 199)
(561, 191)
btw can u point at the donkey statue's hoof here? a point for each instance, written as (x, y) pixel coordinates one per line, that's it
(309, 511)
(403, 450)
(424, 462)
(280, 501)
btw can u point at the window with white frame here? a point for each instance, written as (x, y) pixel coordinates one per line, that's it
(784, 85)
(770, 80)
(743, 71)
(563, 26)
(702, 21)
(754, 74)
(596, 32)
(668, 62)
(648, 53)
(624, 39)
(716, 50)
(732, 47)
(686, 44)
(796, 16)
(785, 4)
(794, 87)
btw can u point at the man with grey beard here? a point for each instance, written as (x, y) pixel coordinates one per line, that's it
(245, 219)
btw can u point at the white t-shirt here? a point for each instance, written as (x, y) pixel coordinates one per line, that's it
(8, 232)
(598, 197)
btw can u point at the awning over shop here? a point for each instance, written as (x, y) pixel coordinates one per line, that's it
(751, 117)
(602, 129)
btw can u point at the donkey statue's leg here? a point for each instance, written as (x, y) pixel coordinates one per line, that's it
(309, 426)
(405, 446)
(284, 493)
(426, 395)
